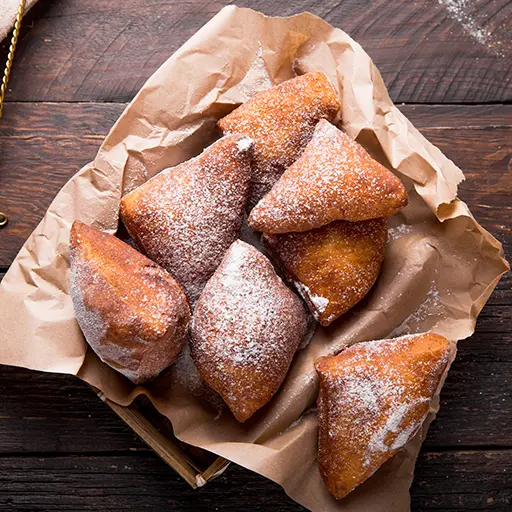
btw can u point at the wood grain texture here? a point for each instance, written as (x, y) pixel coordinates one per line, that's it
(60, 414)
(457, 481)
(426, 51)
(57, 414)
(42, 145)
(61, 448)
(463, 481)
(27, 119)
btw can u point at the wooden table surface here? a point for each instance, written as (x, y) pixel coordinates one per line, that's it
(447, 64)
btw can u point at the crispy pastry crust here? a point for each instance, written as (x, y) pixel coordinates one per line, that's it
(133, 314)
(334, 179)
(186, 217)
(281, 122)
(374, 397)
(246, 328)
(332, 267)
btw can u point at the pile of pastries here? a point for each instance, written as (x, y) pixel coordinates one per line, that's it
(321, 203)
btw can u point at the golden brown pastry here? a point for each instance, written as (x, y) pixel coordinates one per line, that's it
(186, 217)
(246, 328)
(334, 179)
(374, 398)
(281, 121)
(332, 267)
(133, 314)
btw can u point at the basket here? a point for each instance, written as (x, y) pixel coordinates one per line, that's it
(194, 465)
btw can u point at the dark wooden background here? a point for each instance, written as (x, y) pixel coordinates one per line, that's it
(447, 64)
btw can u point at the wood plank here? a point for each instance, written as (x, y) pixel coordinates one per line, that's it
(166, 447)
(445, 481)
(463, 481)
(475, 404)
(482, 365)
(458, 117)
(140, 482)
(427, 52)
(42, 412)
(502, 294)
(79, 119)
(61, 414)
(38, 166)
(25, 120)
(43, 145)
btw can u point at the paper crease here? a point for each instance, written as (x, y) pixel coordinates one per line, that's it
(445, 259)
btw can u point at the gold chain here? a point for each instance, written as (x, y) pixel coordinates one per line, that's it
(7, 72)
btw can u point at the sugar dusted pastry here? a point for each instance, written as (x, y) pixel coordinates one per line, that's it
(246, 328)
(334, 179)
(186, 217)
(133, 314)
(281, 122)
(332, 267)
(374, 397)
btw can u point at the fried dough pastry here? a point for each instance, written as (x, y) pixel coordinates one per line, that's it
(186, 217)
(133, 314)
(332, 267)
(374, 398)
(281, 121)
(246, 328)
(334, 179)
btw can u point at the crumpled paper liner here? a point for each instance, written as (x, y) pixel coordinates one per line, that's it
(440, 267)
(8, 12)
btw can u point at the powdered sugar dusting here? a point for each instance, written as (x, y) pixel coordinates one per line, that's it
(247, 325)
(257, 79)
(394, 426)
(244, 144)
(310, 332)
(91, 322)
(334, 179)
(460, 11)
(332, 267)
(132, 313)
(281, 122)
(186, 217)
(185, 374)
(320, 303)
(399, 231)
(374, 397)
(431, 302)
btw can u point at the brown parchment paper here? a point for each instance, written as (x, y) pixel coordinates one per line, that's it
(440, 265)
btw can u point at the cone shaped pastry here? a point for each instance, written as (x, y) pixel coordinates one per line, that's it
(133, 314)
(373, 399)
(281, 121)
(186, 217)
(334, 179)
(332, 267)
(246, 328)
